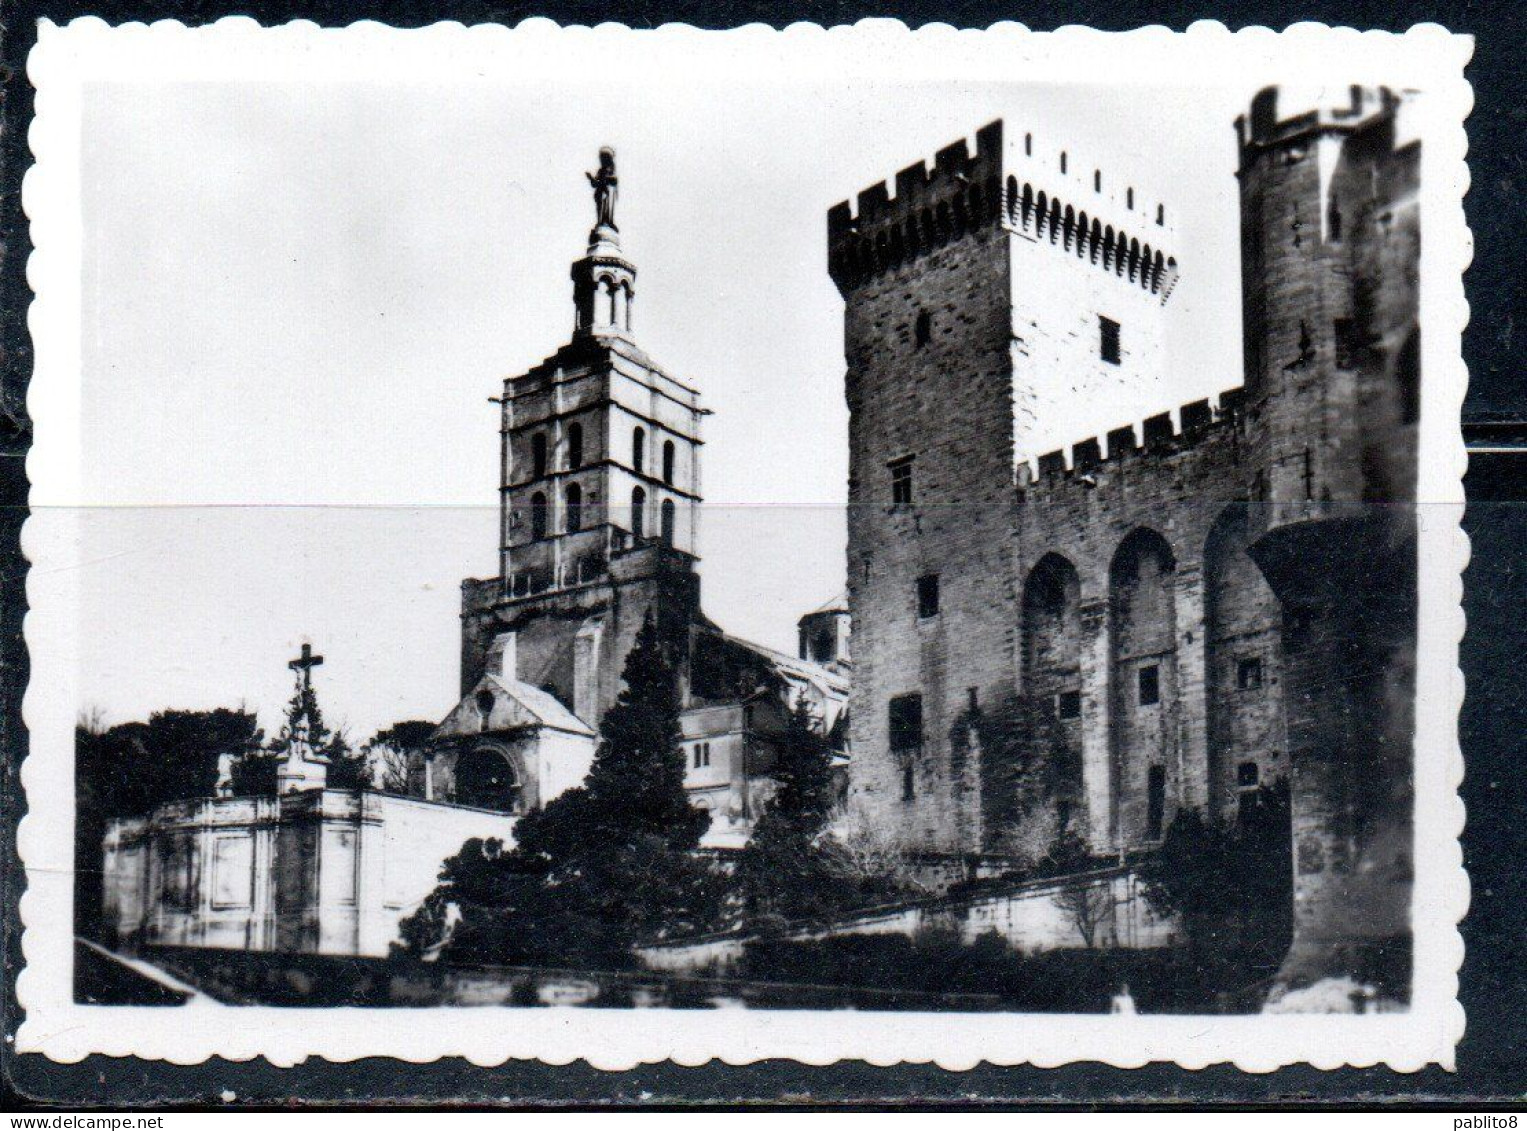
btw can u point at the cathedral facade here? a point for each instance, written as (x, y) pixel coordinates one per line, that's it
(1174, 611)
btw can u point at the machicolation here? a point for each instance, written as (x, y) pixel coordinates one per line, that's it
(961, 194)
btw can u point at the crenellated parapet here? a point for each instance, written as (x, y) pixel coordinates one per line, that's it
(930, 207)
(894, 223)
(1264, 128)
(1159, 435)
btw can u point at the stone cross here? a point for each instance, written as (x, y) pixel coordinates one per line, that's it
(304, 664)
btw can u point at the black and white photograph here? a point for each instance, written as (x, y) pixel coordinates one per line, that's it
(878, 544)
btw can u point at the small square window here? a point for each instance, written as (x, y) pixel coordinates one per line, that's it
(1248, 775)
(1108, 338)
(1068, 704)
(1150, 685)
(927, 596)
(1248, 673)
(901, 482)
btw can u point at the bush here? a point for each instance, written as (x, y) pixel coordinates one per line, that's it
(1058, 981)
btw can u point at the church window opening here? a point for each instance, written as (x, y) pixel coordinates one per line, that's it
(486, 779)
(639, 450)
(927, 596)
(574, 497)
(822, 647)
(667, 513)
(537, 516)
(638, 513)
(1068, 705)
(1028, 145)
(906, 720)
(1150, 685)
(1097, 180)
(538, 455)
(1108, 339)
(1333, 221)
(1062, 160)
(908, 781)
(574, 446)
(1129, 198)
(1161, 215)
(1155, 801)
(668, 457)
(1248, 775)
(702, 755)
(901, 482)
(1248, 673)
(484, 707)
(923, 330)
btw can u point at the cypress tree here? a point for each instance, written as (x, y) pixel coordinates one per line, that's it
(787, 871)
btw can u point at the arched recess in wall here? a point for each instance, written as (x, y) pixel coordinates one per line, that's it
(538, 455)
(1142, 636)
(574, 446)
(573, 508)
(638, 513)
(666, 513)
(487, 777)
(538, 514)
(1242, 668)
(669, 455)
(1051, 627)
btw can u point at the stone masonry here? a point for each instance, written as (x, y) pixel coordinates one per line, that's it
(1174, 599)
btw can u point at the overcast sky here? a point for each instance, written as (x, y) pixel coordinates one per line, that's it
(298, 298)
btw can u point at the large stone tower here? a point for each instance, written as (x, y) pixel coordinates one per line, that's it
(599, 494)
(989, 301)
(1330, 263)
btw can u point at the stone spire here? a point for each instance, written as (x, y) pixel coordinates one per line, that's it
(604, 281)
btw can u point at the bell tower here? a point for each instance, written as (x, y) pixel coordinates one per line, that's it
(599, 492)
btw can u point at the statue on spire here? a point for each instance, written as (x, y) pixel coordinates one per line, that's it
(606, 185)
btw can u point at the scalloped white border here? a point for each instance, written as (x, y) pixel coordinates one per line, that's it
(1427, 58)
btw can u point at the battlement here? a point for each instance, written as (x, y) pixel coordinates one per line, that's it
(929, 207)
(1040, 216)
(1262, 128)
(922, 208)
(1159, 435)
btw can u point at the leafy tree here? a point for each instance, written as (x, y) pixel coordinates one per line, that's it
(1032, 788)
(390, 752)
(789, 869)
(1231, 885)
(602, 867)
(131, 769)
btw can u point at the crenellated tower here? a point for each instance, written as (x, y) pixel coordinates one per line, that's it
(1002, 302)
(1330, 268)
